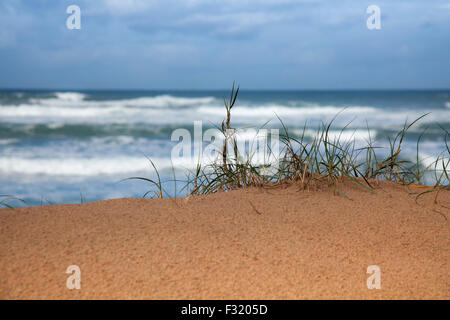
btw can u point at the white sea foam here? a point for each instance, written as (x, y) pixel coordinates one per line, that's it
(120, 166)
(8, 141)
(427, 160)
(447, 104)
(78, 100)
(346, 135)
(93, 157)
(250, 134)
(73, 107)
(84, 167)
(271, 110)
(433, 163)
(69, 96)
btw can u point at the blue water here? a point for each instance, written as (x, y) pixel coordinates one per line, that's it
(74, 146)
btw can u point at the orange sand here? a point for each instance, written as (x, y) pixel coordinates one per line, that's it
(247, 244)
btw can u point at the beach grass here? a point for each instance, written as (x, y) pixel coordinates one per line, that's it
(308, 161)
(7, 201)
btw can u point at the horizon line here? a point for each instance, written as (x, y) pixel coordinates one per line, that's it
(220, 89)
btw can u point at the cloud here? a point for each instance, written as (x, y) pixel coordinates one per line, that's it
(215, 24)
(126, 7)
(308, 43)
(12, 21)
(230, 23)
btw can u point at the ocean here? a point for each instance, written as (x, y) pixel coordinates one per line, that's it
(78, 146)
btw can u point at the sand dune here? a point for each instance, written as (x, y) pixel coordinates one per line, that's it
(248, 244)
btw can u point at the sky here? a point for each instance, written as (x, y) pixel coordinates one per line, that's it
(199, 44)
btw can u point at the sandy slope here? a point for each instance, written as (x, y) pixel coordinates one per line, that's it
(253, 244)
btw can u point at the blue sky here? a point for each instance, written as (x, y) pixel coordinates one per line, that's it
(199, 44)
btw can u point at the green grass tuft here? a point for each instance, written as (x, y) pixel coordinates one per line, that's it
(306, 161)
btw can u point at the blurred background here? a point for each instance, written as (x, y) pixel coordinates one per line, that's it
(79, 108)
